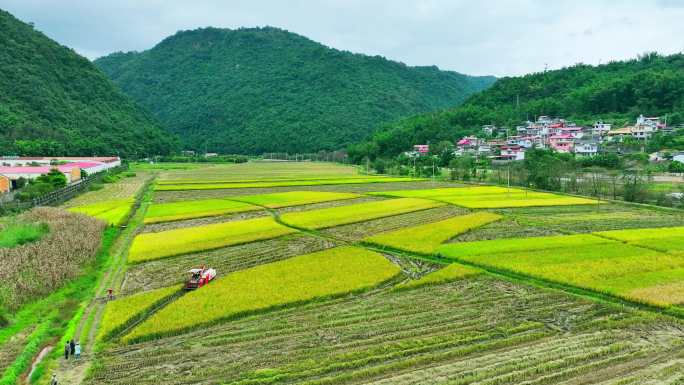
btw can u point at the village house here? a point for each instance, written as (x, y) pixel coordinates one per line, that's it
(644, 128)
(562, 143)
(586, 147)
(574, 131)
(511, 153)
(600, 129)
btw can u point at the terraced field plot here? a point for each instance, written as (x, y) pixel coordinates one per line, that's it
(321, 274)
(114, 212)
(151, 246)
(282, 183)
(164, 212)
(490, 197)
(123, 189)
(170, 271)
(301, 298)
(356, 232)
(476, 330)
(267, 180)
(293, 198)
(260, 171)
(120, 312)
(445, 274)
(336, 216)
(428, 237)
(558, 220)
(361, 188)
(584, 261)
(666, 239)
(590, 218)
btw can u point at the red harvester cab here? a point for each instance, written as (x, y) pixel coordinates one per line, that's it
(199, 278)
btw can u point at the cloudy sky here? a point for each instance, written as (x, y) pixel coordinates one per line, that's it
(497, 37)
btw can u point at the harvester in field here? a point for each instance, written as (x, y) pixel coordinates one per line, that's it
(199, 277)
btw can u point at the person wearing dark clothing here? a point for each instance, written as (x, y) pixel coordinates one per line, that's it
(66, 351)
(72, 347)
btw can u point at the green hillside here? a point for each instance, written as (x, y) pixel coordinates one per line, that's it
(617, 92)
(259, 90)
(55, 102)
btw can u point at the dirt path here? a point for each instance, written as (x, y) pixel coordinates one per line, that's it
(71, 371)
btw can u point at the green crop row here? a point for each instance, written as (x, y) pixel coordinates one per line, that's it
(151, 246)
(321, 274)
(428, 237)
(335, 216)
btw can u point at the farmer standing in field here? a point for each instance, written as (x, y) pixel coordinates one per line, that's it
(66, 350)
(53, 381)
(72, 347)
(78, 350)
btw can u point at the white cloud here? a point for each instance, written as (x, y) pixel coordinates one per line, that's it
(504, 37)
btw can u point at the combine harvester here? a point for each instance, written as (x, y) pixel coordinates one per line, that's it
(199, 277)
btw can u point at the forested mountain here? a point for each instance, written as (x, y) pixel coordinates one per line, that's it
(55, 102)
(256, 90)
(617, 92)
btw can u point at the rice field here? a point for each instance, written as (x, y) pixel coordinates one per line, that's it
(425, 239)
(326, 278)
(164, 212)
(665, 239)
(490, 197)
(281, 183)
(120, 312)
(170, 271)
(294, 198)
(585, 261)
(446, 274)
(321, 274)
(151, 246)
(336, 216)
(114, 212)
(472, 330)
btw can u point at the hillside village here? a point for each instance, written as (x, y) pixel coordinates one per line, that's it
(563, 136)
